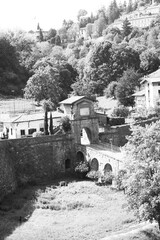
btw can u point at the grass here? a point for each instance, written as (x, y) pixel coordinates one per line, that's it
(79, 211)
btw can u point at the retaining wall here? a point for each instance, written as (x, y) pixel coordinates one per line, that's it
(34, 160)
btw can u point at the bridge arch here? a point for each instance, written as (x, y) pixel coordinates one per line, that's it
(86, 136)
(94, 164)
(107, 168)
(80, 156)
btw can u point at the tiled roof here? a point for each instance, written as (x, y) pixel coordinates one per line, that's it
(139, 93)
(32, 117)
(72, 100)
(153, 77)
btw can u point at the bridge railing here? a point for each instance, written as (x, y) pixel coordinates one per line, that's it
(111, 147)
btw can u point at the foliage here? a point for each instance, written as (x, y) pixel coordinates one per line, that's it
(143, 171)
(12, 75)
(94, 174)
(66, 124)
(110, 90)
(120, 111)
(126, 87)
(44, 84)
(120, 179)
(104, 63)
(114, 121)
(149, 61)
(82, 167)
(126, 27)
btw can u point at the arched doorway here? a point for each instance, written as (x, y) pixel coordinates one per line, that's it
(107, 169)
(85, 136)
(94, 165)
(80, 156)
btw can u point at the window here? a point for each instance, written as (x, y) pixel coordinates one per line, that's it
(11, 131)
(31, 130)
(22, 132)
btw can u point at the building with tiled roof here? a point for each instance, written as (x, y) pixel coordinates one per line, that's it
(26, 124)
(142, 17)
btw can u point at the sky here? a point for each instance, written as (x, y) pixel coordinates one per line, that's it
(26, 14)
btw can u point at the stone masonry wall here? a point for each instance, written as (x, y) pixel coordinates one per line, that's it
(34, 160)
(117, 134)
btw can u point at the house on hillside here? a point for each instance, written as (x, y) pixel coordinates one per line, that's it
(142, 17)
(149, 96)
(25, 125)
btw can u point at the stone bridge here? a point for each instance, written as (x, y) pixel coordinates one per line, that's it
(102, 157)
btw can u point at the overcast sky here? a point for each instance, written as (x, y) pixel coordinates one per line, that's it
(25, 14)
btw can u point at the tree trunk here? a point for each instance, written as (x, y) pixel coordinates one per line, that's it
(158, 220)
(51, 124)
(46, 123)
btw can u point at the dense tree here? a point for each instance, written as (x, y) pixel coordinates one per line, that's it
(73, 32)
(150, 61)
(126, 87)
(12, 75)
(113, 12)
(105, 63)
(57, 40)
(110, 91)
(63, 34)
(130, 6)
(143, 171)
(51, 34)
(89, 30)
(44, 84)
(99, 25)
(81, 12)
(40, 36)
(126, 27)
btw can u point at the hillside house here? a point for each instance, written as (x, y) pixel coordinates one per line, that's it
(141, 18)
(26, 124)
(149, 96)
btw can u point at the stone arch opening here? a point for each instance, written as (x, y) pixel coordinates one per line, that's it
(86, 136)
(67, 164)
(94, 164)
(80, 156)
(107, 168)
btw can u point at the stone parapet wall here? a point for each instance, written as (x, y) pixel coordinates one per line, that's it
(117, 135)
(34, 160)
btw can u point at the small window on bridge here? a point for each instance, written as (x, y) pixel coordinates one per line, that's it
(67, 164)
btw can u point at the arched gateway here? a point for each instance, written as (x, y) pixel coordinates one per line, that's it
(84, 120)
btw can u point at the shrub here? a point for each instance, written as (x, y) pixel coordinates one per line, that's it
(66, 125)
(120, 179)
(93, 174)
(82, 167)
(107, 178)
(116, 121)
(120, 111)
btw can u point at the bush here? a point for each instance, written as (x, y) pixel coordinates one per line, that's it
(94, 175)
(107, 178)
(120, 179)
(120, 111)
(66, 125)
(82, 167)
(116, 121)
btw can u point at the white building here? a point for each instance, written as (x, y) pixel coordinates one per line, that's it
(150, 95)
(142, 17)
(26, 124)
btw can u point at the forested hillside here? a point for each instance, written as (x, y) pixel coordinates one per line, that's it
(62, 62)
